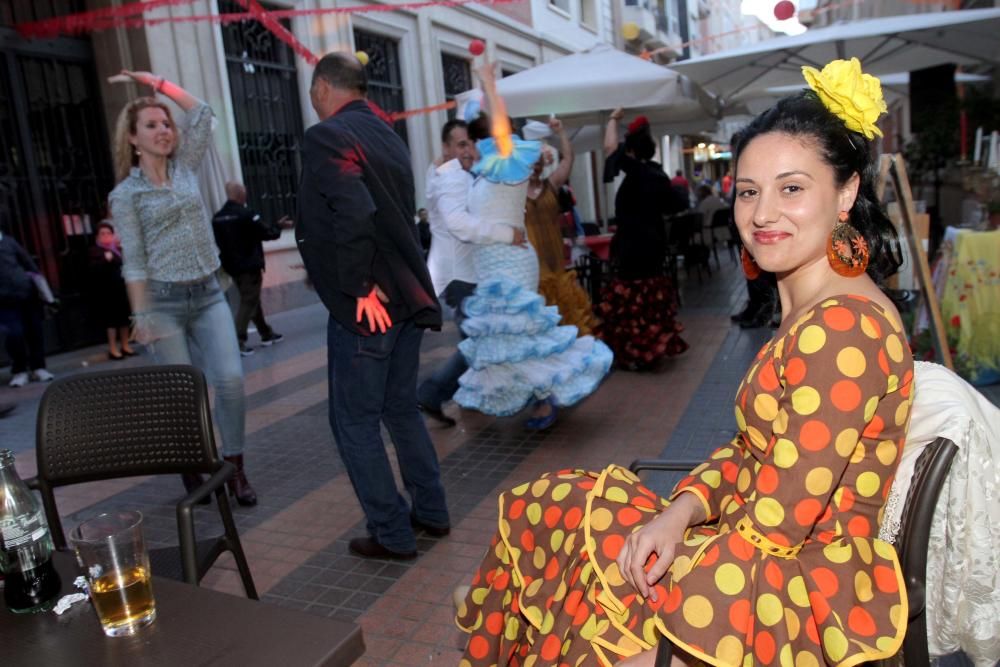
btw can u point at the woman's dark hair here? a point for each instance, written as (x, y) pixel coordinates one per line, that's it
(479, 128)
(804, 115)
(104, 224)
(640, 142)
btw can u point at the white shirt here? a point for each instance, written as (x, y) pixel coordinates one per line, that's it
(454, 231)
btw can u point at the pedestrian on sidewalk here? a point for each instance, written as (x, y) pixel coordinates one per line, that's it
(108, 296)
(355, 233)
(170, 257)
(239, 233)
(21, 314)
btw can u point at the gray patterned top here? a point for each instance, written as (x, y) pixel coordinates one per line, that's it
(165, 231)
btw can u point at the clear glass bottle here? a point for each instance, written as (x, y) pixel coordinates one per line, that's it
(31, 583)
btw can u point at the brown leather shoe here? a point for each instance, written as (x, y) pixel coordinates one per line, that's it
(367, 547)
(239, 486)
(433, 531)
(436, 414)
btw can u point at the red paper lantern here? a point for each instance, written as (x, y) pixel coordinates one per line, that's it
(477, 47)
(784, 10)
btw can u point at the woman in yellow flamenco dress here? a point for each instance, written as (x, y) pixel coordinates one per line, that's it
(767, 553)
(556, 284)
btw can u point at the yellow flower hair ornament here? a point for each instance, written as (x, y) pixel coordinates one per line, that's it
(850, 94)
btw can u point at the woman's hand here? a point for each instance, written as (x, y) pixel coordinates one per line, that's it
(142, 78)
(487, 74)
(556, 125)
(143, 331)
(660, 536)
(617, 114)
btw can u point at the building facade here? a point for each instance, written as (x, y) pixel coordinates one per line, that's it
(58, 113)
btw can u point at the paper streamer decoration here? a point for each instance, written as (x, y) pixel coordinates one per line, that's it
(130, 16)
(279, 30)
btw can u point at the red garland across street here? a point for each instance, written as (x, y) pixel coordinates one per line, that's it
(130, 16)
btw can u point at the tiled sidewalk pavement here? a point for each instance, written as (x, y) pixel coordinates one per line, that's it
(296, 538)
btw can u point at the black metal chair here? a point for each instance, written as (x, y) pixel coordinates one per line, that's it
(721, 220)
(593, 274)
(152, 420)
(684, 234)
(929, 474)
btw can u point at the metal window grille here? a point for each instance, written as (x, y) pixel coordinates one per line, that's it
(457, 77)
(55, 160)
(385, 79)
(264, 88)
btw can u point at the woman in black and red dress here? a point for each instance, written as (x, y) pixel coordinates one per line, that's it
(109, 300)
(638, 308)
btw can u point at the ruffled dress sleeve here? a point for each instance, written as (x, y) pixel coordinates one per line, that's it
(510, 169)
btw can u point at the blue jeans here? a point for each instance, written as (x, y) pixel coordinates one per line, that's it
(373, 379)
(443, 382)
(194, 322)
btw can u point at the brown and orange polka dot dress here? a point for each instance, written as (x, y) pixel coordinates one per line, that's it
(788, 569)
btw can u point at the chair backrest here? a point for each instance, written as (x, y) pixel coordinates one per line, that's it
(682, 227)
(929, 474)
(721, 217)
(123, 423)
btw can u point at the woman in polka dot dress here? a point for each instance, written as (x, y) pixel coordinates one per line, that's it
(767, 553)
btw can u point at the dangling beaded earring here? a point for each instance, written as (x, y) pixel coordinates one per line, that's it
(750, 268)
(848, 250)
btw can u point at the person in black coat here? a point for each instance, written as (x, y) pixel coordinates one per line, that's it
(239, 233)
(355, 233)
(108, 297)
(21, 316)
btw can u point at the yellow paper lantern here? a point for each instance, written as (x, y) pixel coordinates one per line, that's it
(630, 31)
(362, 57)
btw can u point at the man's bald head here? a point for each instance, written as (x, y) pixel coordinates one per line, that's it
(339, 78)
(236, 192)
(342, 71)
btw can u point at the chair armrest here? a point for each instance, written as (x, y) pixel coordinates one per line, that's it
(218, 478)
(664, 652)
(916, 597)
(668, 465)
(185, 519)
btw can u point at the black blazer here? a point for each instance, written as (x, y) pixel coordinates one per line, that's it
(355, 219)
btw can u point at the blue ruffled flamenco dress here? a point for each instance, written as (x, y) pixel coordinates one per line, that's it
(516, 350)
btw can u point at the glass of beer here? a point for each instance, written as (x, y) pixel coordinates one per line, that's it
(112, 553)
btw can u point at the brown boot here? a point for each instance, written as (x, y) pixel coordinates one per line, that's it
(238, 485)
(192, 481)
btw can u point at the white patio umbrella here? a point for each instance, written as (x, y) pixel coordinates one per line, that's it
(883, 45)
(582, 87)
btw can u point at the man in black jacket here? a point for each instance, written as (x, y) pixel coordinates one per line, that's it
(355, 233)
(239, 233)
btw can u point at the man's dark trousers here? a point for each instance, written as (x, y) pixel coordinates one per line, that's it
(22, 323)
(249, 285)
(443, 383)
(373, 379)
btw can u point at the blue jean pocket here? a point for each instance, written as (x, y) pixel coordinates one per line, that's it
(378, 346)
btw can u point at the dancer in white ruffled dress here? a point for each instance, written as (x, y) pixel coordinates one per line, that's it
(516, 350)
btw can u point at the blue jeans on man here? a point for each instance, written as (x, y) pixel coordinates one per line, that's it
(443, 382)
(373, 380)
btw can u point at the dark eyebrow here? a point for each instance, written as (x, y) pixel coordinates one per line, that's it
(793, 173)
(745, 180)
